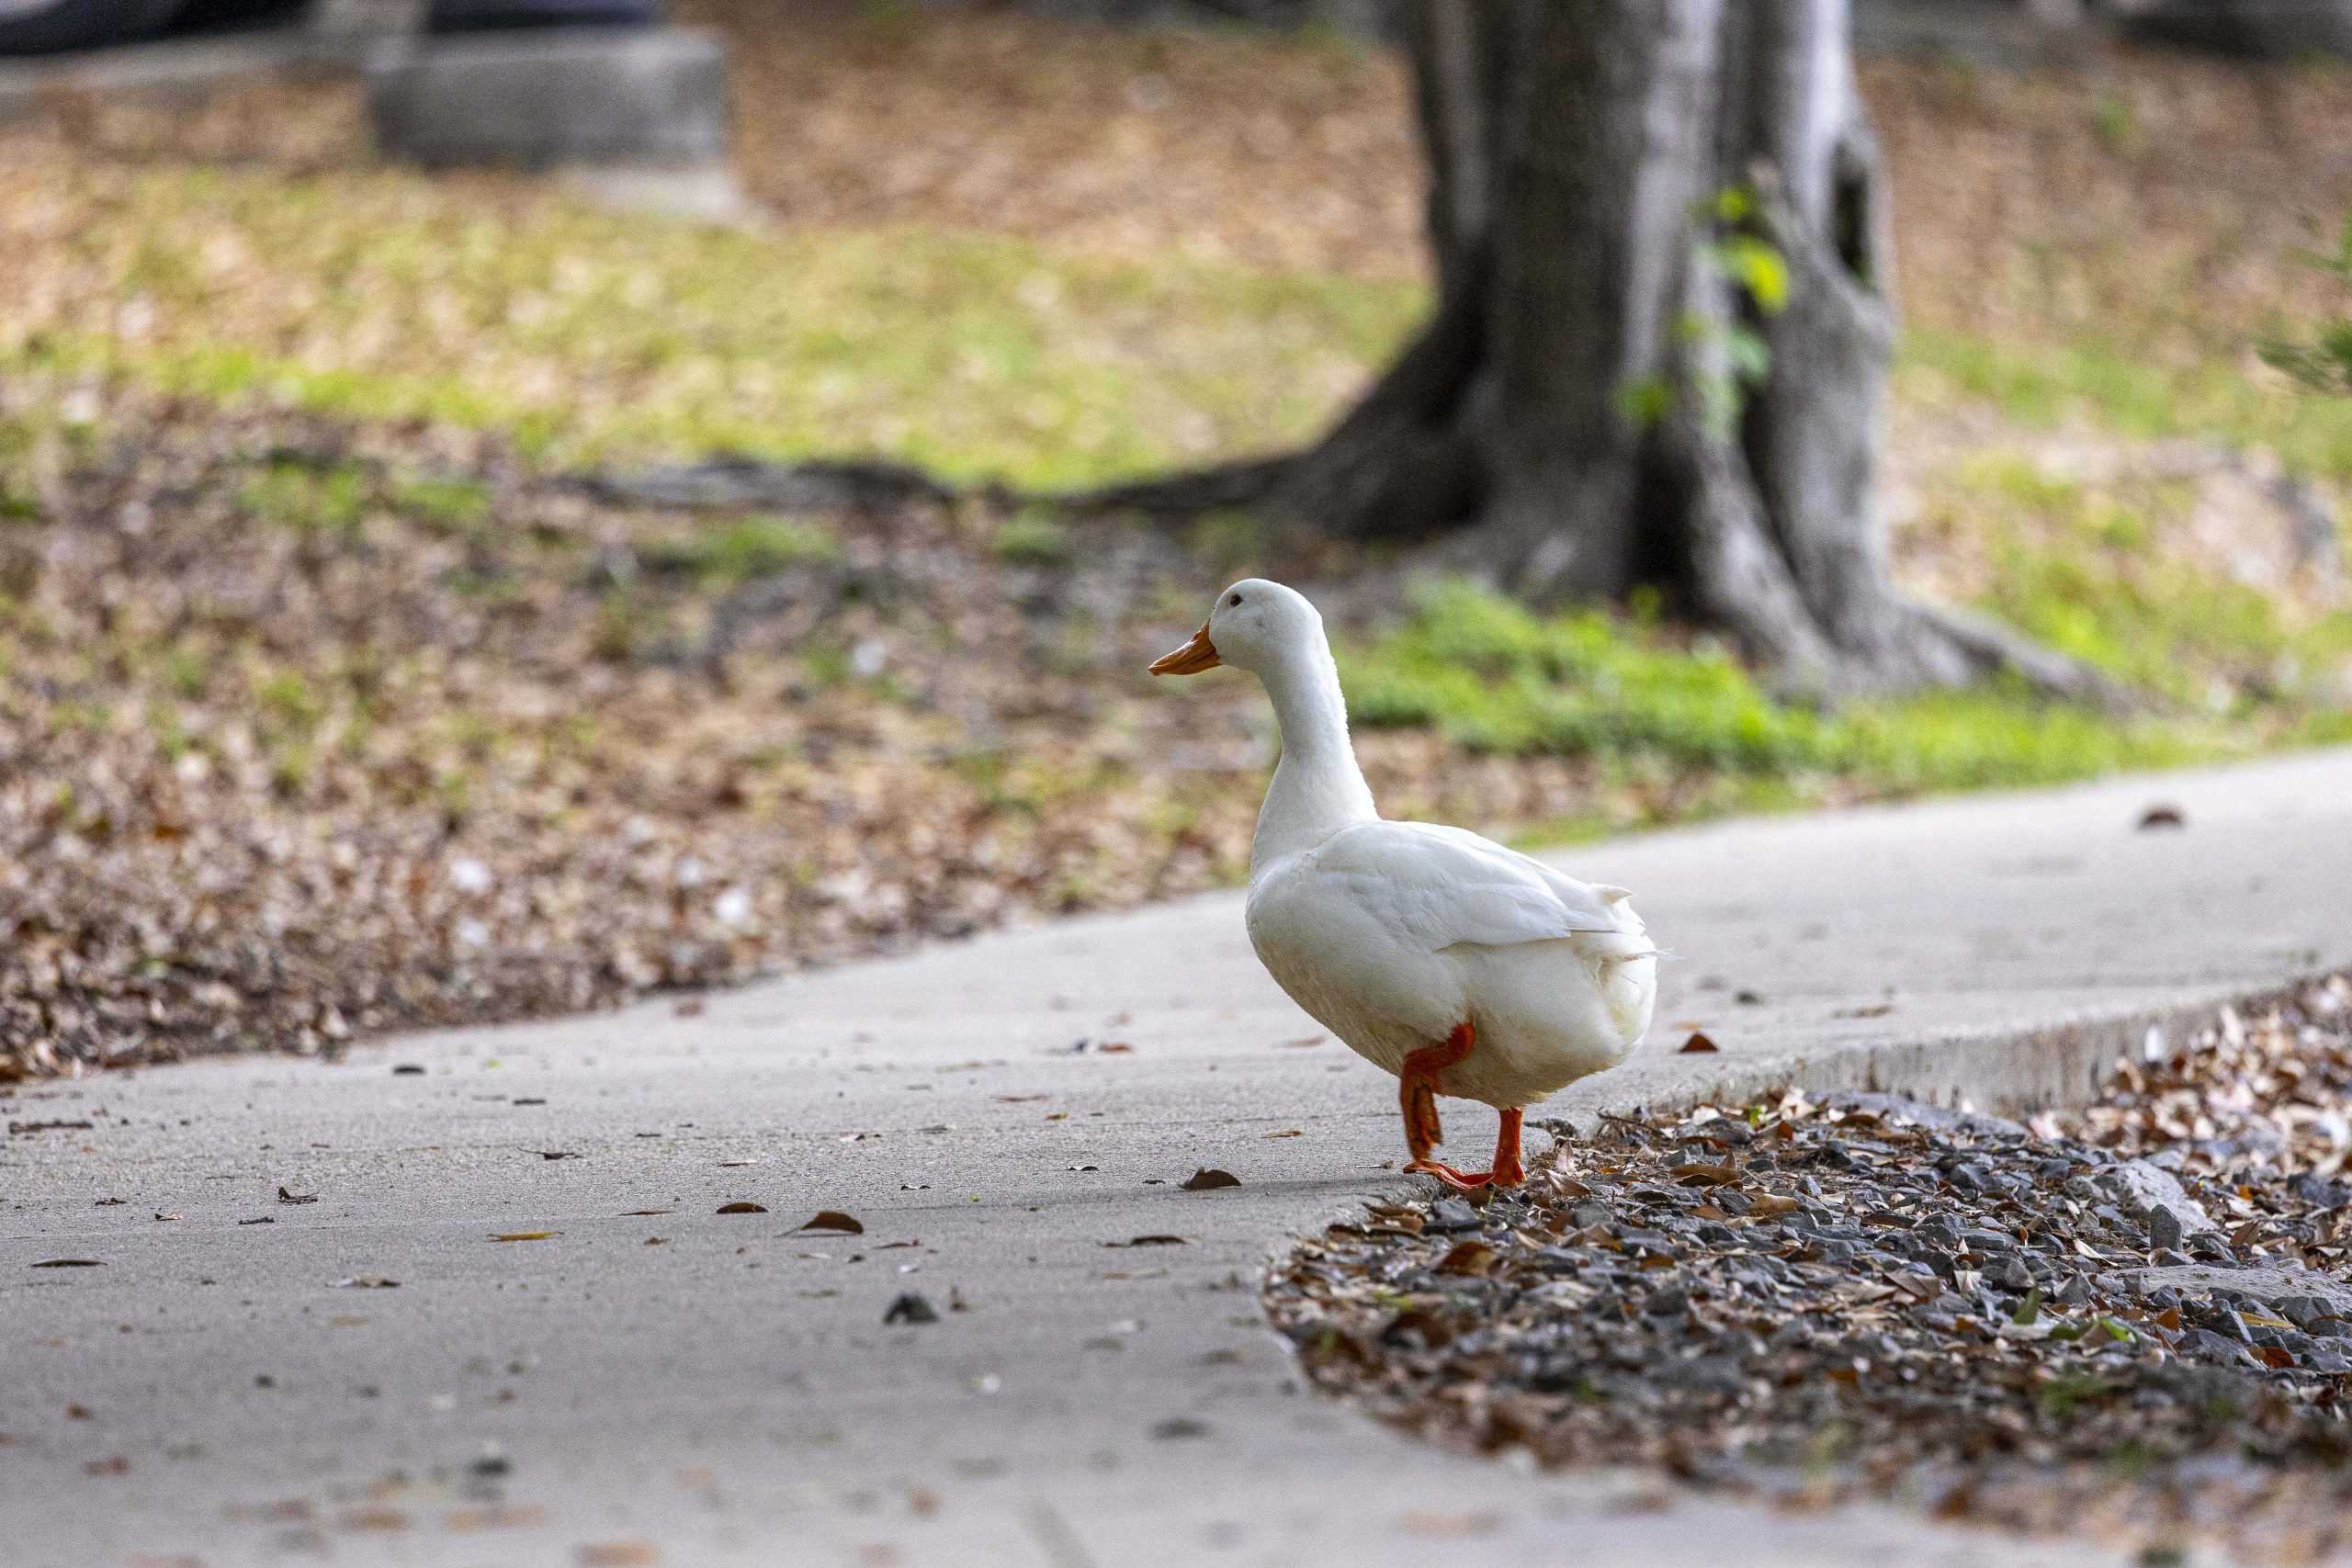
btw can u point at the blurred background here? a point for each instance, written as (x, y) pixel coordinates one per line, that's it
(380, 645)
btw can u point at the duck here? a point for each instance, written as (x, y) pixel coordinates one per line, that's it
(1465, 968)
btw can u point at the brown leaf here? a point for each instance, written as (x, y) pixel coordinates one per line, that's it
(1468, 1257)
(524, 1236)
(635, 1214)
(1703, 1175)
(1431, 1522)
(1772, 1203)
(1698, 1042)
(1115, 1048)
(69, 1263)
(1151, 1241)
(832, 1220)
(617, 1554)
(1207, 1179)
(739, 1207)
(2163, 813)
(1289, 1133)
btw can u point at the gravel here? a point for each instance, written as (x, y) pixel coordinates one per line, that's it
(2123, 1320)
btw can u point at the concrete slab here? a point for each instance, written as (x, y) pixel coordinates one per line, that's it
(722, 1388)
(554, 97)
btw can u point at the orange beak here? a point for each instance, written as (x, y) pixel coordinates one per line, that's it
(1190, 659)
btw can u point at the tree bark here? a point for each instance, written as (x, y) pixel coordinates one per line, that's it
(1660, 345)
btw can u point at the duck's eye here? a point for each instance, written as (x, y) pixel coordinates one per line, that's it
(1235, 599)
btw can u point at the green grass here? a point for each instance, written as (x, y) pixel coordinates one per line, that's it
(298, 496)
(2109, 576)
(1032, 539)
(744, 547)
(584, 333)
(2044, 385)
(1638, 700)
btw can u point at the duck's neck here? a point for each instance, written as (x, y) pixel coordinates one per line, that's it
(1318, 787)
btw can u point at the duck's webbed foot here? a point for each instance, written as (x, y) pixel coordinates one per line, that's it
(1459, 1180)
(1508, 1171)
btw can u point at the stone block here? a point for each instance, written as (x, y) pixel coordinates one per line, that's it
(653, 97)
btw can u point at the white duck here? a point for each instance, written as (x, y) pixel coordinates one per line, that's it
(1463, 967)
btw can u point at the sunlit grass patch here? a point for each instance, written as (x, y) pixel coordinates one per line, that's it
(1630, 694)
(2039, 385)
(2117, 573)
(388, 296)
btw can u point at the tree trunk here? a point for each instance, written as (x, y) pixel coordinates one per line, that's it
(1661, 344)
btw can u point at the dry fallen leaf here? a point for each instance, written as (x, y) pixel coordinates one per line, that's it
(1698, 1042)
(69, 1263)
(286, 1197)
(834, 1220)
(1467, 1257)
(1150, 1241)
(1430, 1522)
(739, 1207)
(617, 1554)
(1206, 1179)
(524, 1236)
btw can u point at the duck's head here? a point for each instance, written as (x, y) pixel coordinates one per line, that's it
(1254, 626)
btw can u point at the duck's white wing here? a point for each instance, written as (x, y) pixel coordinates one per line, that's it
(1442, 886)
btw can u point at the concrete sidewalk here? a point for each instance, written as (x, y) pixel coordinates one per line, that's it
(689, 1387)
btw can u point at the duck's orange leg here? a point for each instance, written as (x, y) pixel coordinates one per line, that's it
(1508, 1171)
(1417, 1084)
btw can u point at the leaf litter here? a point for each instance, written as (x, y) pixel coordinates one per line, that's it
(2129, 1320)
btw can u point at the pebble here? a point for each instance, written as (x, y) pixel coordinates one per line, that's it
(1450, 1214)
